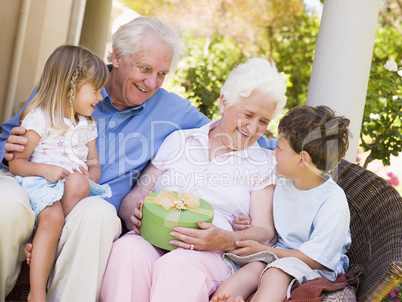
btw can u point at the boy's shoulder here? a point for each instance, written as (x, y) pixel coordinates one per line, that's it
(332, 187)
(327, 192)
(333, 197)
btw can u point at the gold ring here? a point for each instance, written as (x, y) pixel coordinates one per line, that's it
(192, 247)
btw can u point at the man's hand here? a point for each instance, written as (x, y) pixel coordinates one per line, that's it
(136, 217)
(130, 208)
(131, 213)
(15, 142)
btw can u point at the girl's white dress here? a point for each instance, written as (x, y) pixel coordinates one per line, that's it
(60, 147)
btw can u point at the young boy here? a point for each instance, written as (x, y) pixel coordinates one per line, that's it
(311, 213)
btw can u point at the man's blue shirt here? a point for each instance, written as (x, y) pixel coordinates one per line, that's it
(127, 140)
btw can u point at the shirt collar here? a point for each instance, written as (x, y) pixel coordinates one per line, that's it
(107, 106)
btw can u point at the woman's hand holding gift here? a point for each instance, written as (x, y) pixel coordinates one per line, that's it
(208, 238)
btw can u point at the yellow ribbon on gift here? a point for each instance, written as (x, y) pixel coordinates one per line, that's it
(175, 202)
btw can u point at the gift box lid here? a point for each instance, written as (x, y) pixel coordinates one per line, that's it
(156, 225)
(187, 217)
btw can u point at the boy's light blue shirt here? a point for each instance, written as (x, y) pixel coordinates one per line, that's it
(315, 221)
(127, 140)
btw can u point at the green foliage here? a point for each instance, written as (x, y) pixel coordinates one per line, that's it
(293, 52)
(381, 133)
(387, 45)
(205, 68)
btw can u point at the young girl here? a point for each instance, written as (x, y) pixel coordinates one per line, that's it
(60, 164)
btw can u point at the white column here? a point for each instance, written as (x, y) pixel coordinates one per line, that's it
(76, 20)
(95, 26)
(17, 59)
(342, 61)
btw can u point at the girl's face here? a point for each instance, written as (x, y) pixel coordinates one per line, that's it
(243, 123)
(85, 100)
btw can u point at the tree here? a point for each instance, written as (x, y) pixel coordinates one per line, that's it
(391, 14)
(294, 48)
(241, 20)
(381, 133)
(226, 32)
(204, 69)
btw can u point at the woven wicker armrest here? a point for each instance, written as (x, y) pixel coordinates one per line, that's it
(391, 279)
(376, 228)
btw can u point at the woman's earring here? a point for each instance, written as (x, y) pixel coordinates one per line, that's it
(221, 111)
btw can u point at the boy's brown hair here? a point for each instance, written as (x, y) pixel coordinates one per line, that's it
(317, 131)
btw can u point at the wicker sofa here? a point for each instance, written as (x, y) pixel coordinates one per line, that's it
(376, 227)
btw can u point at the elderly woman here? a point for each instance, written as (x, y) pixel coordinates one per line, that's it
(224, 163)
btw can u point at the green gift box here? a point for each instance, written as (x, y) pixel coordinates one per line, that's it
(163, 211)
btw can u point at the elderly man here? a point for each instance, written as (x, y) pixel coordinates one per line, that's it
(134, 118)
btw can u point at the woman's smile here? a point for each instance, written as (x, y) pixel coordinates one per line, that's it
(243, 133)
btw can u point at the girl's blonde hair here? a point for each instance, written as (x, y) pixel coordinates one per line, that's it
(68, 68)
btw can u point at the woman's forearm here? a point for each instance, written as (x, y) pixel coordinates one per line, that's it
(260, 234)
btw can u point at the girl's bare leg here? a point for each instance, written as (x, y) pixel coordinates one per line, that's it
(241, 284)
(76, 188)
(50, 225)
(273, 286)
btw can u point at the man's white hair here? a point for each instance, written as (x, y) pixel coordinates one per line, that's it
(128, 39)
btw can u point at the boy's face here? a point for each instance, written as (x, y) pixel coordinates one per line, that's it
(287, 159)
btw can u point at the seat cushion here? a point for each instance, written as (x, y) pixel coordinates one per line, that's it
(345, 295)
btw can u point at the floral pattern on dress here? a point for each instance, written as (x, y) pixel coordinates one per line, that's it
(66, 148)
(63, 147)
